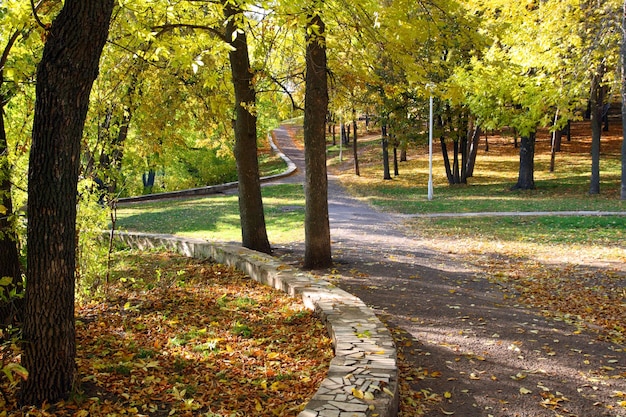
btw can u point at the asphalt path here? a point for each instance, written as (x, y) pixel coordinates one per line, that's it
(466, 347)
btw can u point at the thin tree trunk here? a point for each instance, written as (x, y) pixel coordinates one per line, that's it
(251, 214)
(553, 147)
(317, 251)
(396, 171)
(355, 150)
(456, 177)
(446, 160)
(65, 76)
(473, 152)
(385, 144)
(597, 98)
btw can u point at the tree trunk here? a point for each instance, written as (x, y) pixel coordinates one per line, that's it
(317, 253)
(623, 86)
(251, 214)
(526, 177)
(595, 115)
(355, 149)
(446, 160)
(456, 176)
(65, 75)
(473, 152)
(396, 171)
(385, 144)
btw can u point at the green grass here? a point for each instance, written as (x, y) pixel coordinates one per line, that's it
(217, 217)
(609, 231)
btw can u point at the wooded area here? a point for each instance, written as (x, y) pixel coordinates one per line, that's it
(183, 91)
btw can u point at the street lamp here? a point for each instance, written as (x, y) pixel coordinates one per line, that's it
(430, 87)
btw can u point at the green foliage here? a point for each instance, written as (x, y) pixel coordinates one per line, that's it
(91, 220)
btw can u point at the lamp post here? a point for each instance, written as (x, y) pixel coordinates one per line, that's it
(430, 87)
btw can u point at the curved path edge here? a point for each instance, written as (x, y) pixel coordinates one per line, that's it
(215, 189)
(362, 379)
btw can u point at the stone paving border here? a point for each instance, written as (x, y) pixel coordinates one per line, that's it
(362, 379)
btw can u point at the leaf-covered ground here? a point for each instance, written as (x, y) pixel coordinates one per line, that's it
(179, 336)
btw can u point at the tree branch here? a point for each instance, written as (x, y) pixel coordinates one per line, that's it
(210, 29)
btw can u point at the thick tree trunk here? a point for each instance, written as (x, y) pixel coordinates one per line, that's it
(317, 251)
(252, 217)
(65, 75)
(355, 150)
(595, 103)
(623, 58)
(526, 177)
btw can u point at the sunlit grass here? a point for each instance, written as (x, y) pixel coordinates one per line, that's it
(217, 217)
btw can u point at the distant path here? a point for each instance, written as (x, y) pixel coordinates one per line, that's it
(460, 335)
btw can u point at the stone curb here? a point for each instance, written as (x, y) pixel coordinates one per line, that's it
(362, 380)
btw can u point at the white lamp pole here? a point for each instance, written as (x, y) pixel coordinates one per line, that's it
(430, 146)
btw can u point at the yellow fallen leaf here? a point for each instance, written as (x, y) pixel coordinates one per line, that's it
(357, 393)
(388, 392)
(448, 413)
(368, 395)
(524, 391)
(447, 394)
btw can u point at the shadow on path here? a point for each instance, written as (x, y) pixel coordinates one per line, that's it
(466, 348)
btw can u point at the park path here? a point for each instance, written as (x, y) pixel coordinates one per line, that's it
(466, 348)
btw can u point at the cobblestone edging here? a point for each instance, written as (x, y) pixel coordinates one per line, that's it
(362, 380)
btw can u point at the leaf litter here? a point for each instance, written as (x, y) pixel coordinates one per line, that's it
(186, 337)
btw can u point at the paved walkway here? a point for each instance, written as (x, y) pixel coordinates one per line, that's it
(467, 348)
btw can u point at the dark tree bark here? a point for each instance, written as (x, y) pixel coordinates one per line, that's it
(446, 160)
(65, 75)
(355, 150)
(252, 217)
(385, 144)
(623, 86)
(456, 177)
(396, 171)
(595, 115)
(317, 251)
(526, 177)
(472, 152)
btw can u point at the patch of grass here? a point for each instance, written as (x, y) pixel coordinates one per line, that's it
(546, 230)
(271, 164)
(217, 217)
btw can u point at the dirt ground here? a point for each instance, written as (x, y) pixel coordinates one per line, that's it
(467, 347)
